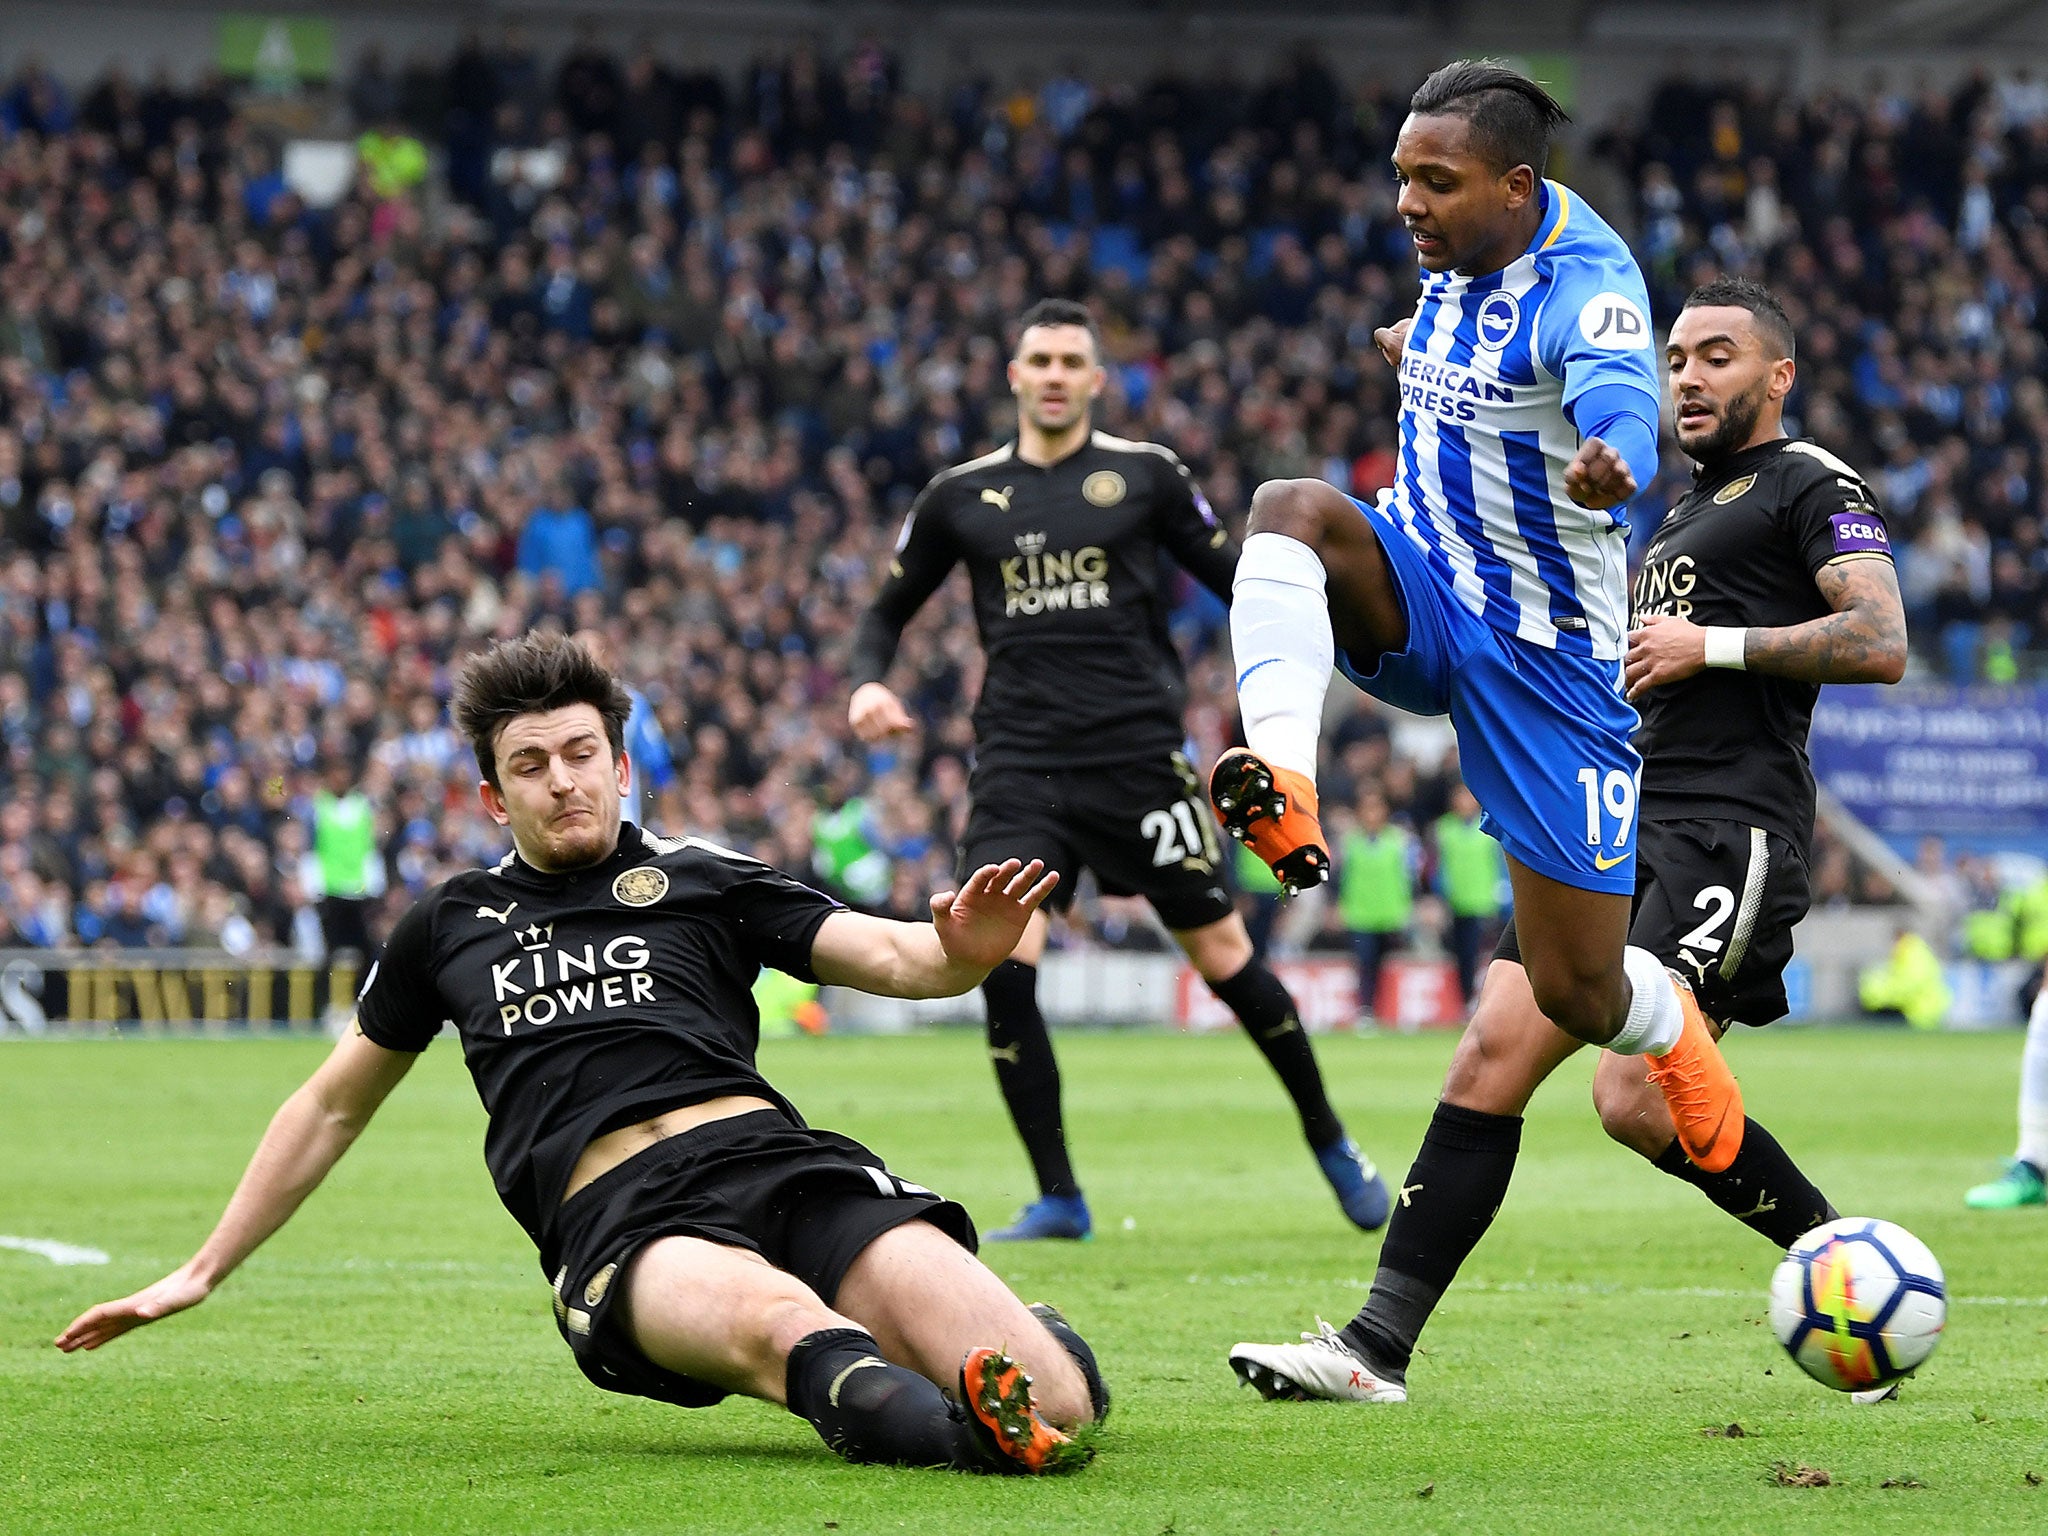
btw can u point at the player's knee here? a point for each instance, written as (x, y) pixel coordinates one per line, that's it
(1585, 1004)
(1294, 508)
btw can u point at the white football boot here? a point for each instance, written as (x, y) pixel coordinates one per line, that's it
(1321, 1366)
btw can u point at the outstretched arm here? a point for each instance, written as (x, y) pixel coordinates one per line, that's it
(1862, 641)
(306, 1138)
(972, 931)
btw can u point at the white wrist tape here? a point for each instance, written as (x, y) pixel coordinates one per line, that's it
(1725, 646)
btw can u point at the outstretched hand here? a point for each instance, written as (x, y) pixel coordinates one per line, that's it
(979, 924)
(110, 1319)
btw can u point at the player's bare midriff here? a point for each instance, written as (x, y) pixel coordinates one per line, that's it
(614, 1147)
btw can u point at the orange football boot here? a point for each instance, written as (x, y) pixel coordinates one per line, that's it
(996, 1393)
(1700, 1090)
(1272, 811)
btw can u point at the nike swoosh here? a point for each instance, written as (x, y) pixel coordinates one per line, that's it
(1601, 861)
(1705, 1149)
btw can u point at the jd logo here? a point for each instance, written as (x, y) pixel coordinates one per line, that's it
(1499, 318)
(1000, 500)
(1614, 323)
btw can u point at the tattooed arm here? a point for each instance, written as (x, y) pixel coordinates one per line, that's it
(1862, 641)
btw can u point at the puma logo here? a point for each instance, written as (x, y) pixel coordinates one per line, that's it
(1406, 1191)
(1004, 1053)
(1764, 1205)
(1695, 962)
(1000, 500)
(1286, 1026)
(503, 917)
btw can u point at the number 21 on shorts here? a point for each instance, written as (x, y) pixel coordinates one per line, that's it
(1613, 794)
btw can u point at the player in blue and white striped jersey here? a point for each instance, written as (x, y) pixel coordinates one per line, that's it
(1489, 584)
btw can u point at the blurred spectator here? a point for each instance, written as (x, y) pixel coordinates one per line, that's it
(1470, 874)
(345, 860)
(1377, 862)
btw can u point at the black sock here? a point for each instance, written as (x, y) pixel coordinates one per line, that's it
(1264, 1006)
(1027, 1073)
(1077, 1347)
(1448, 1200)
(1763, 1188)
(871, 1411)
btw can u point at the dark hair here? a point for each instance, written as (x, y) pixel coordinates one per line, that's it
(1512, 117)
(1773, 325)
(1059, 312)
(540, 671)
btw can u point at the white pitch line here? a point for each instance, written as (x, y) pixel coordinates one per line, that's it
(1567, 1288)
(55, 1252)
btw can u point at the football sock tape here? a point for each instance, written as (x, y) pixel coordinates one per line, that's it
(1281, 639)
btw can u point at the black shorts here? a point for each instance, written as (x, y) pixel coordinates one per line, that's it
(1145, 828)
(1717, 902)
(807, 1201)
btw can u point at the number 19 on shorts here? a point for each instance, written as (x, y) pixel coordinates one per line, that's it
(1609, 798)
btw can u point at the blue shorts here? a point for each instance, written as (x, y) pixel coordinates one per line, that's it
(1543, 736)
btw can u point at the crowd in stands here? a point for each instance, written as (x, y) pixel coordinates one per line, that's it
(664, 355)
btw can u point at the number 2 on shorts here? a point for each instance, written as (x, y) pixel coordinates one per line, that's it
(1618, 792)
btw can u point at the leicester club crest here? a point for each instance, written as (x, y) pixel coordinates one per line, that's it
(641, 886)
(1104, 488)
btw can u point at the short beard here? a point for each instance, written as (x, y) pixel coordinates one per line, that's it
(1737, 423)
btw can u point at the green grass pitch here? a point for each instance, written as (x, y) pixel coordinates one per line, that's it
(387, 1363)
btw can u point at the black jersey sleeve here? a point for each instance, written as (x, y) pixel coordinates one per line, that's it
(1192, 532)
(399, 1007)
(923, 558)
(778, 917)
(1834, 517)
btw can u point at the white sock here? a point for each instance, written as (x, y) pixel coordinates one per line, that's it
(1655, 1019)
(1280, 636)
(2034, 1086)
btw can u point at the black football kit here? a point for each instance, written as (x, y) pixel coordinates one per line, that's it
(597, 998)
(1727, 794)
(1079, 726)
(1079, 729)
(1727, 797)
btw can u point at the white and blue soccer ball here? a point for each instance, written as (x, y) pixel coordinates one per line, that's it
(1858, 1303)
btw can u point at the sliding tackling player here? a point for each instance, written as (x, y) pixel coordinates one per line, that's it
(699, 1238)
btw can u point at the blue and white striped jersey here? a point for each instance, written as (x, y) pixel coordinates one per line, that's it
(1491, 365)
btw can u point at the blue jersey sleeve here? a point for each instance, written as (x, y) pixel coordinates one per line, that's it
(1595, 325)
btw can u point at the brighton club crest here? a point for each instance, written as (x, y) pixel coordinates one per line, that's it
(642, 886)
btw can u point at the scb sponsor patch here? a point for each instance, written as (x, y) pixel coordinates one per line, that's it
(1858, 533)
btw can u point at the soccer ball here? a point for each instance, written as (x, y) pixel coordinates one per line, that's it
(1858, 1303)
